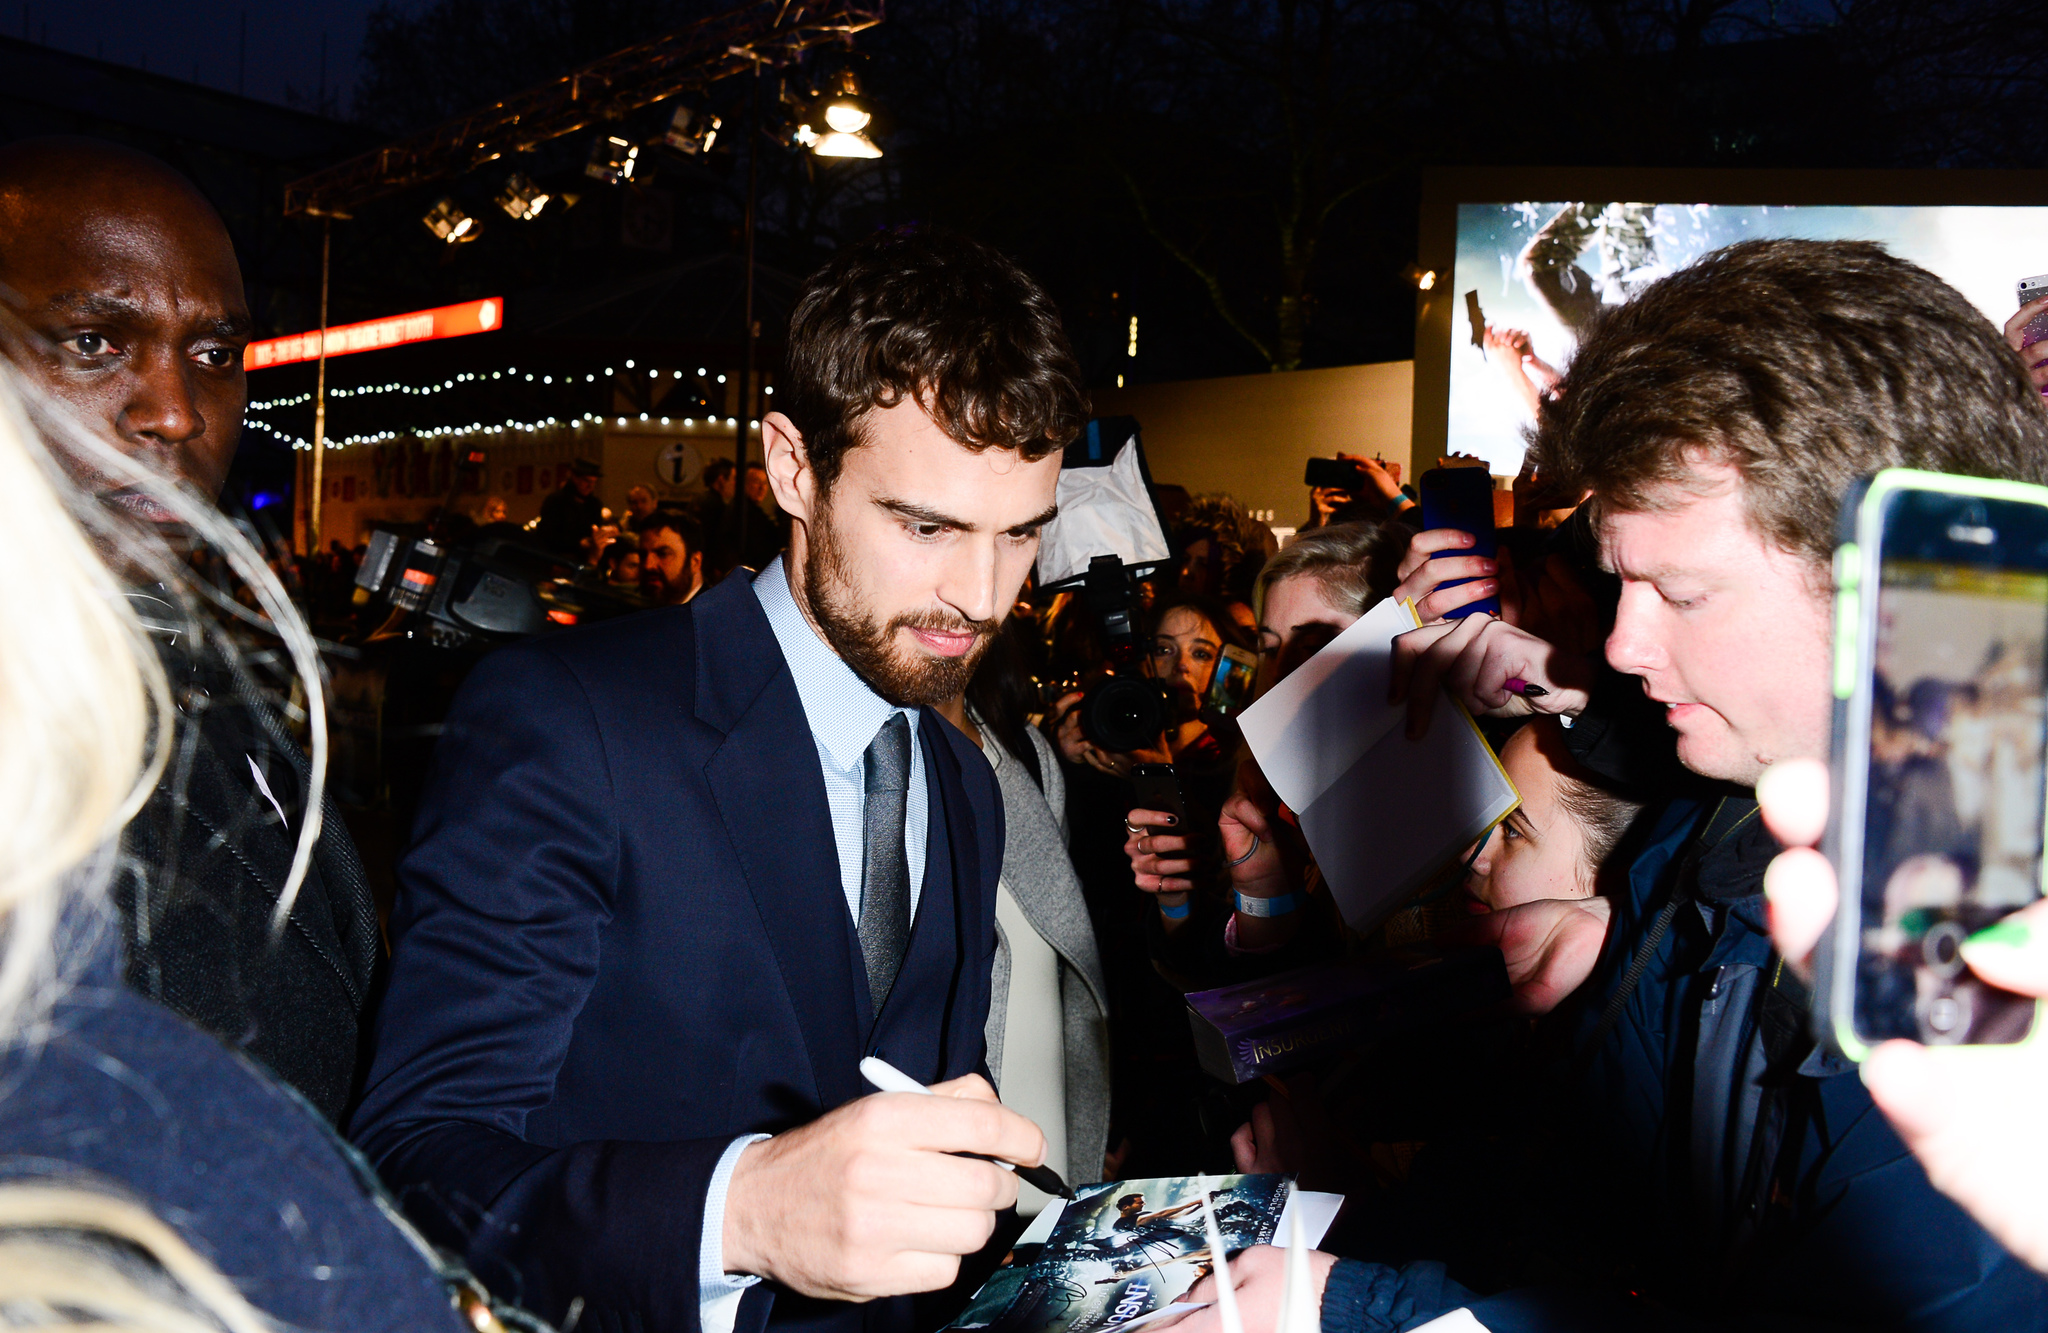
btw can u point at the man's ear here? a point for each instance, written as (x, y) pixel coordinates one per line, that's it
(790, 477)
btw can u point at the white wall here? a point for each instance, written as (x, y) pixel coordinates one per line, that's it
(1251, 435)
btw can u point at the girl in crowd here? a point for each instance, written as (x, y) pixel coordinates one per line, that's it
(1550, 848)
(1308, 595)
(1555, 841)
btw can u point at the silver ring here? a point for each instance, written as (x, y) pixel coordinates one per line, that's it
(1133, 829)
(1248, 852)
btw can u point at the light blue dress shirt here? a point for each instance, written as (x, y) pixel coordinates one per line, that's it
(844, 715)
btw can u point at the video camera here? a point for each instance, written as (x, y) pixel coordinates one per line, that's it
(488, 587)
(1109, 535)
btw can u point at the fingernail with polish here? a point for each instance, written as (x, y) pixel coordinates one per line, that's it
(2006, 934)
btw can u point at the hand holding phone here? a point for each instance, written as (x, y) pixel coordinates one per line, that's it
(1941, 722)
(1970, 1116)
(1462, 498)
(2028, 327)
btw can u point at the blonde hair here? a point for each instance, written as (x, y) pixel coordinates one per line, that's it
(82, 700)
(1355, 563)
(86, 720)
(58, 1269)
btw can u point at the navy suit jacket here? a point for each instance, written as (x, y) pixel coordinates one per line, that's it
(621, 941)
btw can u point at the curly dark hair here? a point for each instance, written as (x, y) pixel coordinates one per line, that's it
(1804, 365)
(945, 321)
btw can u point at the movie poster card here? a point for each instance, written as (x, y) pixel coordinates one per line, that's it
(1123, 1250)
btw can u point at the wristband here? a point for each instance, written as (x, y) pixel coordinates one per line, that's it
(1179, 913)
(1279, 905)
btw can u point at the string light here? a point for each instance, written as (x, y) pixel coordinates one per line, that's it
(442, 386)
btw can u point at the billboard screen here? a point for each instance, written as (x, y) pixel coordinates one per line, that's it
(1541, 267)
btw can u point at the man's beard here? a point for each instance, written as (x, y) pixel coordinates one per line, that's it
(657, 588)
(904, 679)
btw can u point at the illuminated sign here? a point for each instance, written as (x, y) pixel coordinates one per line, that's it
(449, 321)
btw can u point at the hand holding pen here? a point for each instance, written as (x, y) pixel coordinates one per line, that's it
(878, 1197)
(1489, 666)
(889, 1078)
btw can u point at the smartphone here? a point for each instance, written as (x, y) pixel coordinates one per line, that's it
(1230, 689)
(1941, 635)
(1334, 472)
(2031, 289)
(1158, 789)
(1462, 498)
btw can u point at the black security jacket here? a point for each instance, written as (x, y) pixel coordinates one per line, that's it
(208, 857)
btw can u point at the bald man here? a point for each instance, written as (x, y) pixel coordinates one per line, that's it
(126, 273)
(124, 267)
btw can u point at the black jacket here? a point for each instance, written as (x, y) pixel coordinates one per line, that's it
(209, 855)
(620, 943)
(566, 519)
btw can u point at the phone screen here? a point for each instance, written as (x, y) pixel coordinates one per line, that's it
(1952, 832)
(1230, 689)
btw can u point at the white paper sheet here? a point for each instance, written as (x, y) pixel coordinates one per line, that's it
(1460, 1320)
(1381, 812)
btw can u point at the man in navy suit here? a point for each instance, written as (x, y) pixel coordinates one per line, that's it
(675, 875)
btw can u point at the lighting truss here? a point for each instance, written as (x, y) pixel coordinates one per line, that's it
(771, 32)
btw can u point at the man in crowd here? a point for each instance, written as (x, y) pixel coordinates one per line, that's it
(639, 507)
(128, 288)
(676, 874)
(1730, 1169)
(715, 506)
(766, 524)
(671, 558)
(568, 516)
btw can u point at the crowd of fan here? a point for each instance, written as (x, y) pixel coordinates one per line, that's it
(1647, 1137)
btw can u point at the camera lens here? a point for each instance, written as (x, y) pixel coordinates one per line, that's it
(1123, 713)
(1941, 948)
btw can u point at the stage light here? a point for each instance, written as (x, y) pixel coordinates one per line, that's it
(611, 159)
(448, 222)
(842, 144)
(692, 132)
(521, 198)
(845, 112)
(1418, 277)
(803, 136)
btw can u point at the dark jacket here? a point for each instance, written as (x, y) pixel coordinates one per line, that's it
(125, 1095)
(211, 856)
(1708, 1157)
(621, 942)
(566, 519)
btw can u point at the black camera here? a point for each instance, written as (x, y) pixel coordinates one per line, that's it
(488, 588)
(1108, 535)
(1125, 710)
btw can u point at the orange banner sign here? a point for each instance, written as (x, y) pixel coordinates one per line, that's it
(449, 321)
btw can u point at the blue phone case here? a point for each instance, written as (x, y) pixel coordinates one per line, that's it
(1462, 498)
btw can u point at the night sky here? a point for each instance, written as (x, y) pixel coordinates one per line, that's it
(201, 42)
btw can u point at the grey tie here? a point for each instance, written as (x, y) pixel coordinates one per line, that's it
(885, 870)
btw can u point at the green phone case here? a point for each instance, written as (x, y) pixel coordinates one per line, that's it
(1856, 581)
